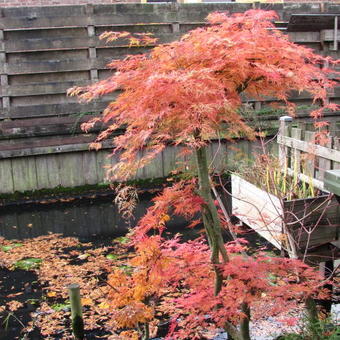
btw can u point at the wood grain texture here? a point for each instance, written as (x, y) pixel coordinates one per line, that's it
(48, 171)
(312, 221)
(6, 176)
(259, 210)
(24, 174)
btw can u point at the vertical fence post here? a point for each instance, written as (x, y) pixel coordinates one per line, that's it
(76, 311)
(335, 38)
(91, 32)
(175, 27)
(285, 125)
(3, 73)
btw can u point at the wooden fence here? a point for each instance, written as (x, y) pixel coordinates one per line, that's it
(46, 50)
(300, 151)
(71, 169)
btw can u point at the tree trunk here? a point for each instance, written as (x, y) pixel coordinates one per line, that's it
(146, 331)
(210, 217)
(244, 326)
(213, 229)
(313, 318)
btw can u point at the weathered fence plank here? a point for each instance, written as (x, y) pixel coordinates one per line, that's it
(24, 174)
(48, 174)
(169, 160)
(50, 145)
(39, 89)
(307, 146)
(336, 165)
(155, 168)
(48, 110)
(90, 175)
(6, 176)
(71, 169)
(30, 67)
(300, 154)
(102, 161)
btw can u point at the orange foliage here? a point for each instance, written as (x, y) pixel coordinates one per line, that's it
(194, 85)
(136, 289)
(179, 199)
(177, 278)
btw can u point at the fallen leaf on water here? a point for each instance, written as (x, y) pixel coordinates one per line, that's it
(104, 305)
(86, 302)
(16, 294)
(51, 294)
(14, 305)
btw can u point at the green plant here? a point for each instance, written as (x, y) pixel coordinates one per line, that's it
(32, 301)
(126, 269)
(11, 246)
(28, 263)
(61, 306)
(266, 172)
(122, 240)
(112, 256)
(315, 330)
(7, 319)
(322, 330)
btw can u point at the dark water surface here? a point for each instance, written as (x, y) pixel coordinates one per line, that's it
(89, 217)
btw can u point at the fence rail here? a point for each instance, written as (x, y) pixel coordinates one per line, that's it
(300, 152)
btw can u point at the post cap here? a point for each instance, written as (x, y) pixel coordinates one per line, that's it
(332, 181)
(73, 286)
(286, 119)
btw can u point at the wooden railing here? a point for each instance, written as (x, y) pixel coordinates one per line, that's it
(300, 152)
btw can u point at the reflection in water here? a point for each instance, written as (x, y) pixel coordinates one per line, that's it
(84, 218)
(90, 218)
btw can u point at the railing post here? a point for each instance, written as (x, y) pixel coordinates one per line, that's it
(285, 126)
(336, 26)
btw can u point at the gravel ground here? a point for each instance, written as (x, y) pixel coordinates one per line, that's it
(271, 327)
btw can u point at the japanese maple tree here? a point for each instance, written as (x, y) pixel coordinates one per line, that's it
(188, 92)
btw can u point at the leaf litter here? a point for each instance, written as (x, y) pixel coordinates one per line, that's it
(58, 262)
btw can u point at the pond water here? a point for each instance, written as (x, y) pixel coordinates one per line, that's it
(88, 217)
